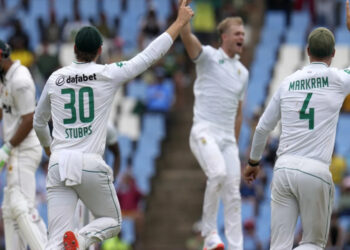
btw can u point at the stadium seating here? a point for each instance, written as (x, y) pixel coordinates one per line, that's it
(342, 141)
(281, 51)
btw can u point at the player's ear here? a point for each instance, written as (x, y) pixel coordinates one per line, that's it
(223, 37)
(99, 51)
(333, 54)
(308, 51)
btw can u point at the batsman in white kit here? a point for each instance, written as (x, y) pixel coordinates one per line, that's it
(219, 91)
(78, 98)
(21, 153)
(308, 104)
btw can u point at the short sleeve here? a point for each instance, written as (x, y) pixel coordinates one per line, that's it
(204, 54)
(24, 96)
(345, 78)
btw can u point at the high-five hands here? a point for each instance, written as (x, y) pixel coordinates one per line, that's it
(185, 13)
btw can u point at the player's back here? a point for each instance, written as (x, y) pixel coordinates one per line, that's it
(310, 101)
(81, 95)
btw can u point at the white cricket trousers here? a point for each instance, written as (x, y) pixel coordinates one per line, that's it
(96, 191)
(217, 153)
(19, 198)
(300, 186)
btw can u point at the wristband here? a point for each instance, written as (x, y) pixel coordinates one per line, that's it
(253, 164)
(7, 147)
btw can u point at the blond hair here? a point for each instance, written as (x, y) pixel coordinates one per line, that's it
(225, 24)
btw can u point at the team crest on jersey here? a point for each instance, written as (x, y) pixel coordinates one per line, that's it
(120, 64)
(203, 141)
(347, 71)
(221, 61)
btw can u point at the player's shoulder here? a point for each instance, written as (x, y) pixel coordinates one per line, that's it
(59, 73)
(341, 72)
(338, 75)
(208, 50)
(21, 77)
(21, 72)
(295, 75)
(341, 75)
(113, 66)
(111, 70)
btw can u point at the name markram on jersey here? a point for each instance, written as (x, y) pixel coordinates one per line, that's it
(310, 83)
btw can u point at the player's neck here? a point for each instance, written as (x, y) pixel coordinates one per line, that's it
(327, 61)
(228, 52)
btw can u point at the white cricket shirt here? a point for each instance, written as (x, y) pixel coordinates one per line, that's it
(220, 85)
(17, 99)
(78, 97)
(308, 104)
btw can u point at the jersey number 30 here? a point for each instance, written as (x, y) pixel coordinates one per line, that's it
(84, 118)
(307, 116)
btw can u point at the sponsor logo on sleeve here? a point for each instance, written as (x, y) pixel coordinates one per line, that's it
(120, 64)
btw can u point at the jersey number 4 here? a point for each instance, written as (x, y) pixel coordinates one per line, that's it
(84, 118)
(307, 116)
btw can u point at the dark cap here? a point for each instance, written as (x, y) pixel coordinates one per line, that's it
(321, 42)
(4, 49)
(88, 39)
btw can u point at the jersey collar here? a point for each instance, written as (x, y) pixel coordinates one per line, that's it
(317, 65)
(12, 69)
(82, 63)
(226, 57)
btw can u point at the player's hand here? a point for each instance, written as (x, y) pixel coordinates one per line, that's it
(250, 173)
(185, 13)
(347, 15)
(4, 154)
(47, 151)
(187, 2)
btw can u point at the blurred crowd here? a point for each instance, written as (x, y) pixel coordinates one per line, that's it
(162, 89)
(323, 12)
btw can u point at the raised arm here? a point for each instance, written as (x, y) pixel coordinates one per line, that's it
(184, 15)
(192, 44)
(155, 50)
